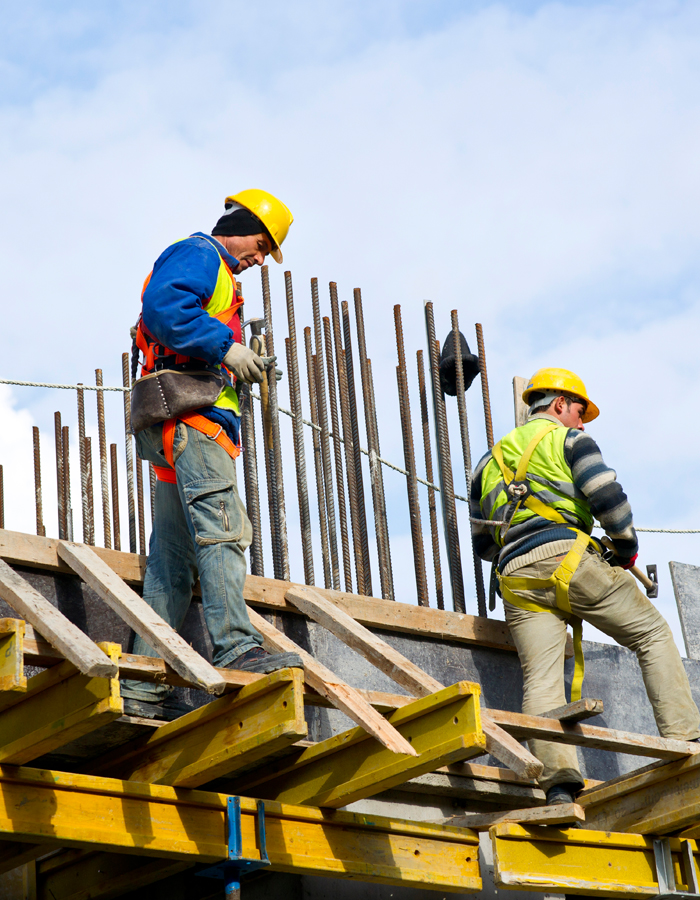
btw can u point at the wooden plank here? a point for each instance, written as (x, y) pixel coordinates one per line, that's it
(65, 809)
(686, 588)
(443, 727)
(525, 726)
(476, 790)
(59, 631)
(519, 406)
(58, 706)
(574, 712)
(578, 861)
(81, 874)
(341, 695)
(229, 735)
(18, 853)
(563, 814)
(140, 616)
(405, 673)
(12, 677)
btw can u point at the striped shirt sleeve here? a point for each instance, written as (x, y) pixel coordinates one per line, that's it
(598, 483)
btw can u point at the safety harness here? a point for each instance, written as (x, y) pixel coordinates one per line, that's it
(520, 491)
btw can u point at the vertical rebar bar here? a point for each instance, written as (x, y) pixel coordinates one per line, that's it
(410, 463)
(278, 484)
(87, 457)
(357, 455)
(381, 526)
(432, 506)
(115, 497)
(269, 456)
(355, 516)
(447, 494)
(152, 496)
(104, 466)
(484, 385)
(318, 464)
(322, 410)
(83, 468)
(250, 479)
(298, 434)
(2, 498)
(140, 506)
(129, 447)
(338, 452)
(38, 503)
(466, 453)
(60, 487)
(65, 438)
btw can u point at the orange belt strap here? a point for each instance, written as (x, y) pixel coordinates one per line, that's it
(165, 473)
(201, 424)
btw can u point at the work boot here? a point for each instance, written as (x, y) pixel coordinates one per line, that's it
(566, 792)
(168, 709)
(262, 663)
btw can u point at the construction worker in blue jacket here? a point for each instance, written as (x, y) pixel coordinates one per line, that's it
(544, 483)
(190, 321)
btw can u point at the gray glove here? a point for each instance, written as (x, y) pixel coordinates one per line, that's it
(245, 364)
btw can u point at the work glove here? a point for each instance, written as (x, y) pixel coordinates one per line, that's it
(267, 361)
(628, 563)
(245, 364)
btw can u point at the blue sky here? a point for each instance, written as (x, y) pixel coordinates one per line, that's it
(533, 165)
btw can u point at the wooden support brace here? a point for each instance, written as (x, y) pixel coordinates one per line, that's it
(578, 861)
(58, 706)
(341, 695)
(585, 708)
(444, 727)
(478, 790)
(63, 809)
(405, 673)
(226, 736)
(140, 616)
(12, 677)
(59, 631)
(563, 814)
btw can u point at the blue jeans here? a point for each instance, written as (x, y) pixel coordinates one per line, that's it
(200, 528)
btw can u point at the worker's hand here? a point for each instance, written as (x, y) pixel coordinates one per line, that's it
(245, 364)
(278, 374)
(627, 564)
(269, 361)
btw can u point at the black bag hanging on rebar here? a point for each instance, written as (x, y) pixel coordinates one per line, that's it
(448, 372)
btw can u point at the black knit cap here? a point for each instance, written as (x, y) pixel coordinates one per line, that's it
(240, 221)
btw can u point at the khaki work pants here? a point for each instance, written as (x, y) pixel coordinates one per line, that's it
(609, 599)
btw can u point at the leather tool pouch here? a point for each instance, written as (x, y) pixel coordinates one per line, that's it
(168, 393)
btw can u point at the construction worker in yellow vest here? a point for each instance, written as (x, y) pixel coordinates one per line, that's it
(544, 484)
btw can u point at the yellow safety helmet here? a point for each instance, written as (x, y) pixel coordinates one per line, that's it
(545, 380)
(272, 213)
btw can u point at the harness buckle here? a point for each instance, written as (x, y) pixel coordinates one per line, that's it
(213, 437)
(518, 491)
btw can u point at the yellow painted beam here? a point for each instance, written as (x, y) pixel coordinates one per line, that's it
(444, 727)
(90, 812)
(12, 677)
(58, 706)
(228, 735)
(577, 861)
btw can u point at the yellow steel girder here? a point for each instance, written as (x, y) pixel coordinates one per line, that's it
(12, 677)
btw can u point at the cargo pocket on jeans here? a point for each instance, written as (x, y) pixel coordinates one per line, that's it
(214, 511)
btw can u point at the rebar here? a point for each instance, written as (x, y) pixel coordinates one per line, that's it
(83, 468)
(60, 487)
(447, 494)
(115, 497)
(65, 439)
(348, 444)
(104, 466)
(152, 497)
(250, 479)
(298, 434)
(87, 457)
(484, 385)
(318, 463)
(40, 529)
(140, 506)
(410, 463)
(357, 455)
(129, 448)
(338, 453)
(466, 453)
(269, 457)
(322, 410)
(2, 498)
(432, 506)
(278, 481)
(375, 467)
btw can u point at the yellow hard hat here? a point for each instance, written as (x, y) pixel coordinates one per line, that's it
(563, 380)
(272, 213)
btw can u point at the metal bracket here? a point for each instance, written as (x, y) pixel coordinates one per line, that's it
(236, 864)
(665, 874)
(653, 576)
